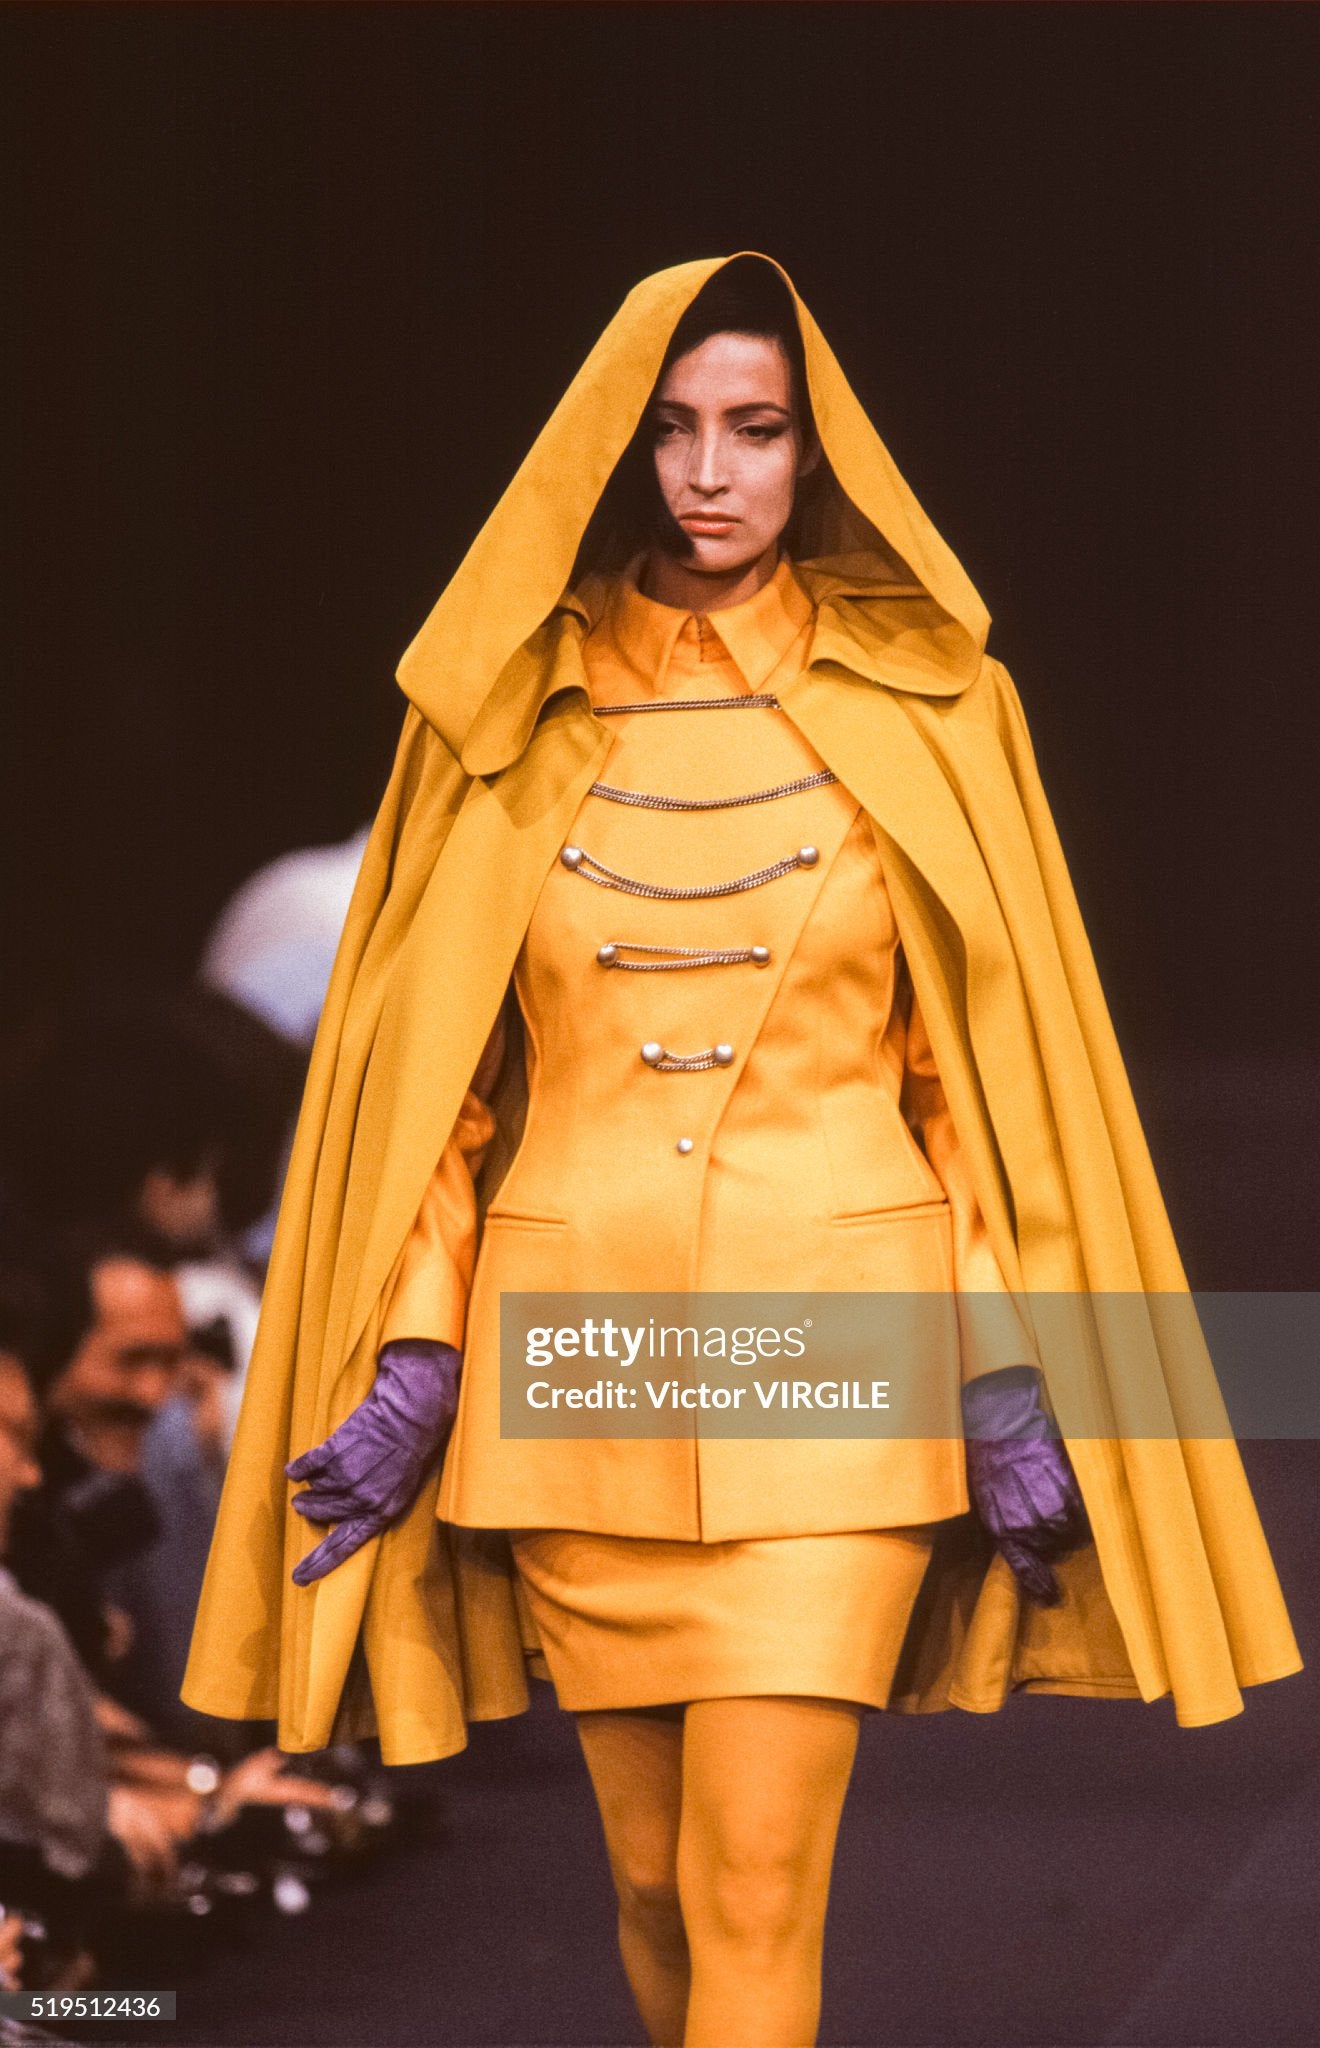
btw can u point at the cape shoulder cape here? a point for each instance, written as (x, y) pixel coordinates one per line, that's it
(413, 1637)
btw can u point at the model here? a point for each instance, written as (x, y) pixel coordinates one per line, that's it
(713, 935)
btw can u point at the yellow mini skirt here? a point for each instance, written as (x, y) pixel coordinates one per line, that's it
(639, 1621)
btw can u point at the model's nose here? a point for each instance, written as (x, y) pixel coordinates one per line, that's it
(707, 471)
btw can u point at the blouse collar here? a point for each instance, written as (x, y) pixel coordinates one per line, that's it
(754, 635)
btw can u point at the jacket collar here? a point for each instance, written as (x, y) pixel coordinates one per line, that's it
(888, 633)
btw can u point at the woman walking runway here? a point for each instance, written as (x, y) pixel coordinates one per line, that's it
(713, 936)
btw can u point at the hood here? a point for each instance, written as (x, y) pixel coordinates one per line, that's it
(894, 603)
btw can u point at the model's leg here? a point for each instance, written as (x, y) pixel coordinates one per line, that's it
(763, 1787)
(636, 1765)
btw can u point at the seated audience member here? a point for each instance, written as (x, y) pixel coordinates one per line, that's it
(134, 1453)
(133, 1448)
(113, 1346)
(110, 1353)
(183, 1464)
(56, 1857)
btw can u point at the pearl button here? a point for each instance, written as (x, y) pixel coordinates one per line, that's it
(761, 955)
(723, 1055)
(807, 856)
(684, 1145)
(607, 954)
(653, 1052)
(571, 856)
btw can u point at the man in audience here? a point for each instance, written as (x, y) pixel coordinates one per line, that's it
(53, 1785)
(183, 1463)
(111, 1353)
(52, 1771)
(128, 1359)
(161, 1108)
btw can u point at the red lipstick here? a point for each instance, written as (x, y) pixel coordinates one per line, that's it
(707, 522)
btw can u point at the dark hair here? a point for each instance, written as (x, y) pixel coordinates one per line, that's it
(128, 1079)
(748, 296)
(50, 1295)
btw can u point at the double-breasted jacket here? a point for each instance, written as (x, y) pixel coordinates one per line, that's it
(729, 1087)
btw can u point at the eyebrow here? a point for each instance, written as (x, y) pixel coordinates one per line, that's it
(732, 412)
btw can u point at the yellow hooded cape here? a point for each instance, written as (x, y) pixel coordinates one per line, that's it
(421, 1631)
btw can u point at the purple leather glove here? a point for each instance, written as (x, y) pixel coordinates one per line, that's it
(369, 1471)
(1020, 1478)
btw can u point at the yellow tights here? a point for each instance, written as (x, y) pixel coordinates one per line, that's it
(720, 1819)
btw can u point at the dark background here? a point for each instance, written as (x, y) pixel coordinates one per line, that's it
(287, 294)
(290, 291)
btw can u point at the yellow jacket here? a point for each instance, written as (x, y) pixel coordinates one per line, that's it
(897, 695)
(791, 1166)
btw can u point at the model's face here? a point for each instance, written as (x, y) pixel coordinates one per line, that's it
(127, 1364)
(728, 450)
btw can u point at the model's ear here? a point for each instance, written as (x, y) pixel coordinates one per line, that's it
(811, 455)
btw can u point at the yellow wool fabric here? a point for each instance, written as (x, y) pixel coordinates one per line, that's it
(412, 1637)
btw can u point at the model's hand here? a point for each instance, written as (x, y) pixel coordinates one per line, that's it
(1020, 1478)
(368, 1473)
